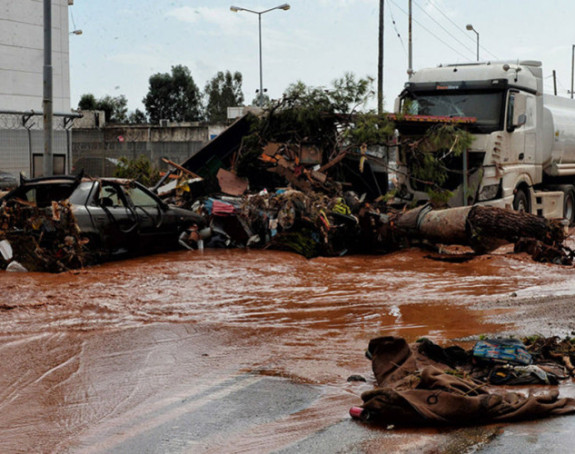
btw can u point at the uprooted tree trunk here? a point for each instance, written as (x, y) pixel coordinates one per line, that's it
(486, 228)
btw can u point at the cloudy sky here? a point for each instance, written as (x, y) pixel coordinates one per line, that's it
(124, 42)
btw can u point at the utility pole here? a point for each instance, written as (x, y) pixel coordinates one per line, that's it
(572, 64)
(554, 83)
(410, 50)
(47, 103)
(380, 62)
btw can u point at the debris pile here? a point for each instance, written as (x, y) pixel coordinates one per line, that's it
(315, 224)
(290, 185)
(35, 239)
(311, 224)
(425, 384)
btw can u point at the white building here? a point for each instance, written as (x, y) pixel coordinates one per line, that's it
(21, 85)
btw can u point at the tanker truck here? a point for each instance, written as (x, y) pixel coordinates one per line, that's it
(523, 151)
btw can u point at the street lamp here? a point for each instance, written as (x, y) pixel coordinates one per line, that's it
(236, 9)
(76, 32)
(470, 27)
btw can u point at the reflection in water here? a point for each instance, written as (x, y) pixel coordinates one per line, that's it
(83, 353)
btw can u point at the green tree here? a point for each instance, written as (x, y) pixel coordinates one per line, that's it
(174, 96)
(349, 94)
(140, 169)
(330, 118)
(115, 108)
(265, 100)
(137, 117)
(223, 91)
(87, 102)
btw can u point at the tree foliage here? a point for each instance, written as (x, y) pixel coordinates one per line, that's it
(324, 116)
(426, 157)
(265, 101)
(140, 169)
(87, 102)
(223, 91)
(173, 96)
(137, 117)
(115, 108)
(328, 118)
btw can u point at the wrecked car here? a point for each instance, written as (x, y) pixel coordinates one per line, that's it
(117, 216)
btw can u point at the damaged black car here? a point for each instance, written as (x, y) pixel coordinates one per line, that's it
(116, 216)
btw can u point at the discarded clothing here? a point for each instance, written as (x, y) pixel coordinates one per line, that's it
(416, 390)
(509, 350)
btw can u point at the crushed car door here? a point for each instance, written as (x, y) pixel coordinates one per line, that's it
(115, 218)
(155, 229)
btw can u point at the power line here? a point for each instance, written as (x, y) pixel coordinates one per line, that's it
(460, 29)
(395, 27)
(430, 32)
(443, 28)
(456, 25)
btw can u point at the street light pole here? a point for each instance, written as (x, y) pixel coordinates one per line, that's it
(380, 62)
(572, 65)
(261, 65)
(470, 27)
(410, 45)
(47, 107)
(236, 9)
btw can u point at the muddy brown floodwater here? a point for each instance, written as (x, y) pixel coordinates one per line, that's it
(92, 360)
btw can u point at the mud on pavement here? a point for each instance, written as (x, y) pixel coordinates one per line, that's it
(106, 355)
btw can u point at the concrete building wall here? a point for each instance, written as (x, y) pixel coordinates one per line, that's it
(22, 55)
(22, 85)
(97, 150)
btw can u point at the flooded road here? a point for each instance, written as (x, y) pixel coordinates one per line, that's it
(243, 351)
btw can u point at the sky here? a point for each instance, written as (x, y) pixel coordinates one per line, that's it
(124, 42)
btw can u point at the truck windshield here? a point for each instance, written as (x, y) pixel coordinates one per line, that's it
(486, 107)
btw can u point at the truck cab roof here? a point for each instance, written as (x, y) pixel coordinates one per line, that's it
(526, 74)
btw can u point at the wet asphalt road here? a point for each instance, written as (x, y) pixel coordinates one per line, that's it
(234, 351)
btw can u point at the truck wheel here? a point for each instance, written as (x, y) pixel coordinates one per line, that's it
(569, 206)
(521, 201)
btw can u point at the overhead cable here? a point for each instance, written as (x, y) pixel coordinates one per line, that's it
(430, 32)
(460, 28)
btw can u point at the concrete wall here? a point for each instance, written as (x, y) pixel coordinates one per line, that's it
(22, 84)
(97, 150)
(22, 55)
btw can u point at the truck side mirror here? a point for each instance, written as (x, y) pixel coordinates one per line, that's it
(521, 120)
(516, 111)
(519, 110)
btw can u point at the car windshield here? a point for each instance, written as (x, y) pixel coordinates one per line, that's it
(486, 107)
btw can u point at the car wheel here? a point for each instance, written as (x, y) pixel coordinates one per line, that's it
(521, 201)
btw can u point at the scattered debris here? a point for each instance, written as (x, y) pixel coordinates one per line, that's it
(35, 239)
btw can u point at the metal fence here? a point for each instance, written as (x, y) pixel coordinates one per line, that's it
(95, 150)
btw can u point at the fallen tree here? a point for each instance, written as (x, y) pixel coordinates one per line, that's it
(313, 224)
(485, 228)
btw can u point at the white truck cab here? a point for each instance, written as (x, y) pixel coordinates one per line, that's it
(523, 152)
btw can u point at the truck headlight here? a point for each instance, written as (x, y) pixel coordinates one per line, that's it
(489, 192)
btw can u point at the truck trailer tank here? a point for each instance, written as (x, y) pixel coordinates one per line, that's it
(558, 156)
